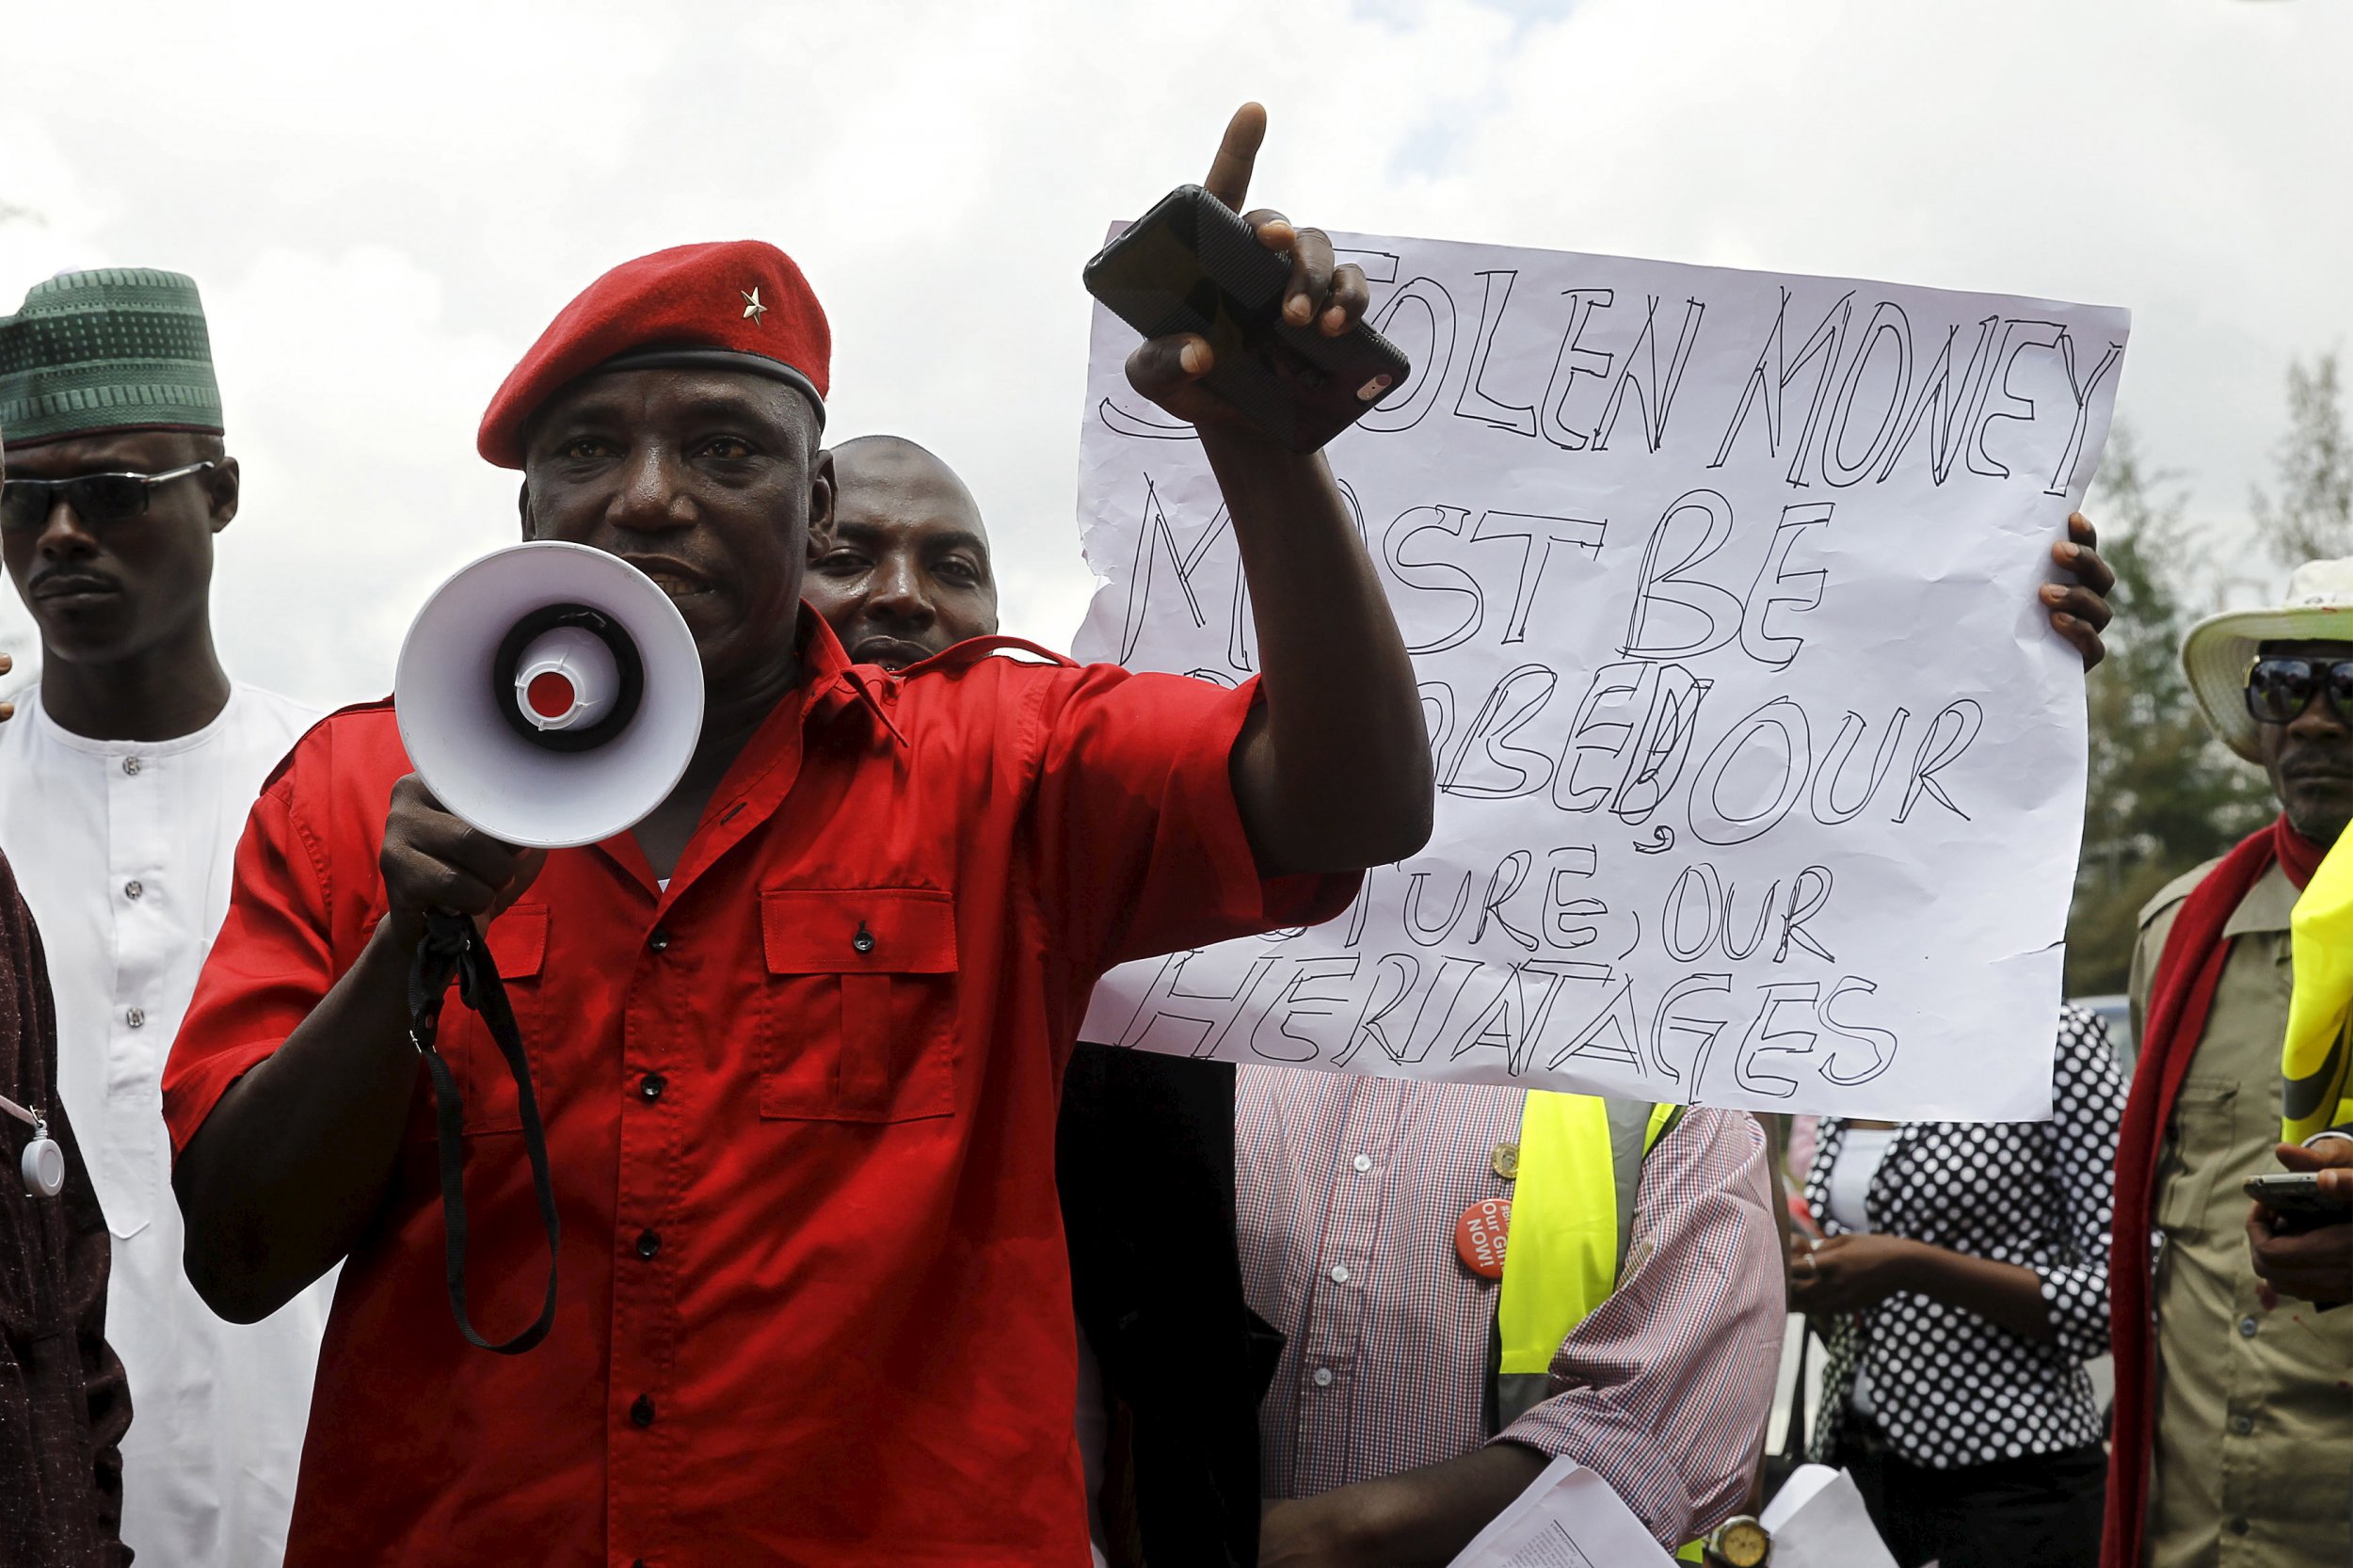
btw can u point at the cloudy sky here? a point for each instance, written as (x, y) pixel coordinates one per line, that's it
(384, 205)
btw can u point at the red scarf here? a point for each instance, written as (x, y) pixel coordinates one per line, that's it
(2180, 997)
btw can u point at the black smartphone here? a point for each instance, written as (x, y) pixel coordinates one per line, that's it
(2296, 1198)
(1192, 264)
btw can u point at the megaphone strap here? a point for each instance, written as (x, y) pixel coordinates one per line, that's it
(452, 948)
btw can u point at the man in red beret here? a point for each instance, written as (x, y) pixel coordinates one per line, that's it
(797, 1036)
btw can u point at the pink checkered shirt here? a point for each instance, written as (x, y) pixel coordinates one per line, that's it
(1348, 1191)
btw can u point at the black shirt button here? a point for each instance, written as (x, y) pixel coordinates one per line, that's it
(651, 1085)
(641, 1413)
(864, 941)
(659, 941)
(648, 1243)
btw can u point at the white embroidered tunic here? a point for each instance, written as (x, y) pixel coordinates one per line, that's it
(124, 850)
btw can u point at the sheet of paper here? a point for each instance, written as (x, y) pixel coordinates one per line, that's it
(1805, 1484)
(1818, 1520)
(1569, 1518)
(1761, 774)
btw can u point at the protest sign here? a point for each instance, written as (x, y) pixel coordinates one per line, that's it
(1760, 771)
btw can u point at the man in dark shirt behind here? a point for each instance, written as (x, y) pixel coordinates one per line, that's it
(1144, 1147)
(64, 1405)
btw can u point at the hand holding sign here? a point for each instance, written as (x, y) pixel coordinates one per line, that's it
(2080, 612)
(1168, 370)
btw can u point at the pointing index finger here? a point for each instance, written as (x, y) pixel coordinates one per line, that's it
(1236, 154)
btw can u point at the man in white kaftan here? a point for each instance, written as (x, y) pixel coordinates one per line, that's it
(125, 778)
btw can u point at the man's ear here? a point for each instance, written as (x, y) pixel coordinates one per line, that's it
(223, 483)
(819, 503)
(522, 511)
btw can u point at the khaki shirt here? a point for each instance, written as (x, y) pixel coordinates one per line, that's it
(2254, 1437)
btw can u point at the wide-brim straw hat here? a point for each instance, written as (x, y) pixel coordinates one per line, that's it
(2218, 649)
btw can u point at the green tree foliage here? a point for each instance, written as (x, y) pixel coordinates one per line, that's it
(2163, 794)
(2312, 516)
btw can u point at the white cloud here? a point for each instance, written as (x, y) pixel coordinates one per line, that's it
(385, 206)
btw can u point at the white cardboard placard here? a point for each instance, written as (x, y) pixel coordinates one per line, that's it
(1761, 772)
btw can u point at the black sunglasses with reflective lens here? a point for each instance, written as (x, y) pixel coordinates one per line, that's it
(96, 498)
(2279, 689)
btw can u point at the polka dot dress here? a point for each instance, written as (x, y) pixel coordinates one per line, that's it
(1948, 1388)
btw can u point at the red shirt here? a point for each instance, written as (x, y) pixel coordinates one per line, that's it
(815, 1305)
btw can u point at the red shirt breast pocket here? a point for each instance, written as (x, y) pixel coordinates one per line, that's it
(858, 1017)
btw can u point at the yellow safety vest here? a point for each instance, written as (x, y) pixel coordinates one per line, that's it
(2317, 1091)
(1572, 1212)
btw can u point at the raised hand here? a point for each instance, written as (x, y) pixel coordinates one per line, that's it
(1168, 370)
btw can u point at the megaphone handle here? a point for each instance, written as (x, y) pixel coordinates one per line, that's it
(452, 948)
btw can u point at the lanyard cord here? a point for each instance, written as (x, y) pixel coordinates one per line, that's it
(452, 948)
(33, 1119)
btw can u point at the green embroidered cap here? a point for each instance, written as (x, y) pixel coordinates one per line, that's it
(119, 348)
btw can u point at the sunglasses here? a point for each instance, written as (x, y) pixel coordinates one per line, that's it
(97, 499)
(2280, 689)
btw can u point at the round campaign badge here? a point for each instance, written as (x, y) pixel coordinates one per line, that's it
(1480, 1236)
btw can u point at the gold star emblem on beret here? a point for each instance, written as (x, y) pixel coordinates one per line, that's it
(752, 306)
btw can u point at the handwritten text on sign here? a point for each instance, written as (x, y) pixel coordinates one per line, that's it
(1760, 772)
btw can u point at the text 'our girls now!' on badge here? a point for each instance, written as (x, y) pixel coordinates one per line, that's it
(1480, 1236)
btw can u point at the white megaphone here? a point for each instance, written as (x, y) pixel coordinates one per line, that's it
(550, 695)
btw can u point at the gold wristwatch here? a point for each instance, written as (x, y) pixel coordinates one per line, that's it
(1739, 1542)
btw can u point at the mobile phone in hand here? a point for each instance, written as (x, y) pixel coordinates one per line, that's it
(2295, 1198)
(1192, 264)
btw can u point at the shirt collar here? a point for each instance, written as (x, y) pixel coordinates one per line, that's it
(34, 714)
(833, 682)
(2266, 907)
(761, 773)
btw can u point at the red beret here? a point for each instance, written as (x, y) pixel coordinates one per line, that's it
(732, 304)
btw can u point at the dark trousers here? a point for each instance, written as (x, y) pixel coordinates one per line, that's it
(1145, 1161)
(2038, 1512)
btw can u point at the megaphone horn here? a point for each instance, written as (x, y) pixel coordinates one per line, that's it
(550, 695)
